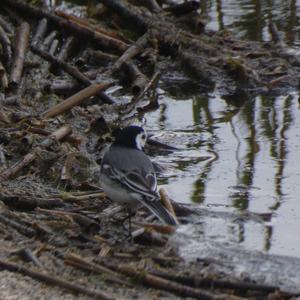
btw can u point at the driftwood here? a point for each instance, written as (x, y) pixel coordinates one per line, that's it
(18, 226)
(29, 203)
(30, 157)
(40, 32)
(75, 28)
(66, 48)
(3, 77)
(20, 48)
(99, 56)
(79, 262)
(6, 46)
(207, 282)
(73, 71)
(199, 58)
(49, 40)
(161, 283)
(54, 280)
(59, 213)
(27, 255)
(2, 158)
(86, 224)
(130, 15)
(136, 77)
(152, 5)
(131, 52)
(165, 229)
(62, 87)
(6, 25)
(72, 139)
(76, 99)
(167, 202)
(183, 8)
(13, 170)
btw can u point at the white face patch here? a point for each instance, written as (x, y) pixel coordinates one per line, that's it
(140, 140)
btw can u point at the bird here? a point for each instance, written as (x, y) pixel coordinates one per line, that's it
(127, 175)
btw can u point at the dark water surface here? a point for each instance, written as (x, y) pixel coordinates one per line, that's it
(233, 159)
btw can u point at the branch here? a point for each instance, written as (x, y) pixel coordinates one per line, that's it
(53, 280)
(161, 283)
(76, 99)
(19, 57)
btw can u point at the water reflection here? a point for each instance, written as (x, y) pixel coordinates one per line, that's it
(251, 150)
(251, 19)
(234, 160)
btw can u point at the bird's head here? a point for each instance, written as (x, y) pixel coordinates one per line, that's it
(132, 137)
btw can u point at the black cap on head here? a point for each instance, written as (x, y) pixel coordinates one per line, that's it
(127, 136)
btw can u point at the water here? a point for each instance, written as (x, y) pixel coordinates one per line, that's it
(237, 160)
(250, 19)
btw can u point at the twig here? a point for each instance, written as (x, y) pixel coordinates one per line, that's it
(71, 70)
(6, 25)
(79, 262)
(84, 222)
(30, 157)
(277, 81)
(2, 158)
(108, 40)
(76, 99)
(62, 87)
(209, 282)
(53, 47)
(131, 52)
(165, 229)
(78, 29)
(54, 280)
(18, 166)
(77, 198)
(27, 255)
(20, 52)
(3, 77)
(29, 202)
(21, 228)
(137, 78)
(146, 236)
(66, 48)
(98, 56)
(48, 41)
(167, 202)
(6, 47)
(161, 283)
(151, 83)
(72, 139)
(40, 31)
(127, 14)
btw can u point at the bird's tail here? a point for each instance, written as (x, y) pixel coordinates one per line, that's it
(156, 207)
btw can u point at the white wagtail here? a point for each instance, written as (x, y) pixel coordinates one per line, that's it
(127, 174)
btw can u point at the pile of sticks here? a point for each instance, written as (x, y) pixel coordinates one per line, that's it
(66, 84)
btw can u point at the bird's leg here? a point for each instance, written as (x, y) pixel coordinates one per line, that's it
(128, 217)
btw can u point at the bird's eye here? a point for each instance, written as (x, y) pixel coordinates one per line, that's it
(143, 136)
